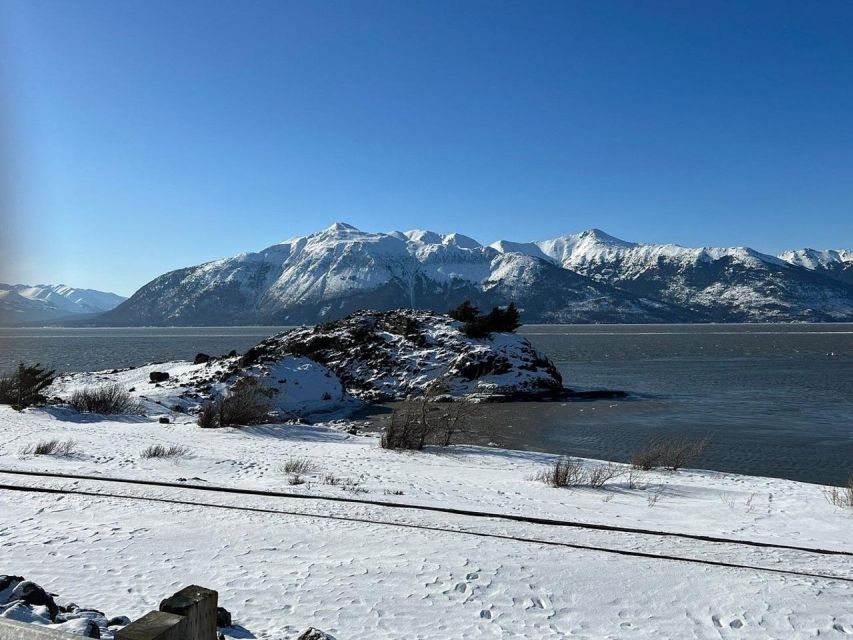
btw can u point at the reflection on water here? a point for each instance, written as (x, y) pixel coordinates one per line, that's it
(775, 399)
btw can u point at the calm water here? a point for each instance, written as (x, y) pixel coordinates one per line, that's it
(776, 400)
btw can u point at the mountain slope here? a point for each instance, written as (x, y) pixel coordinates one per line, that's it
(834, 263)
(330, 274)
(25, 304)
(735, 284)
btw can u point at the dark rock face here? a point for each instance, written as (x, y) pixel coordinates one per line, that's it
(223, 617)
(158, 376)
(34, 595)
(201, 358)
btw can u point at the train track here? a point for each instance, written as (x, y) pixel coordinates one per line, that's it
(426, 527)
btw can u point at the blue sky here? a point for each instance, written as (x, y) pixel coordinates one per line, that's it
(145, 136)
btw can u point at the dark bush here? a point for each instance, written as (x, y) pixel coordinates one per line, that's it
(207, 416)
(482, 326)
(418, 422)
(23, 387)
(465, 312)
(107, 399)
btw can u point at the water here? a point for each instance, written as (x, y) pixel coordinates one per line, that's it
(776, 400)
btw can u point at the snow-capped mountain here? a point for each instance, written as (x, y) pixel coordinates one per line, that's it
(586, 277)
(25, 304)
(735, 284)
(835, 263)
(332, 273)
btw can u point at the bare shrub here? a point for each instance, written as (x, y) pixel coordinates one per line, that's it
(331, 479)
(208, 415)
(23, 387)
(565, 472)
(635, 475)
(50, 448)
(672, 454)
(601, 474)
(653, 498)
(295, 479)
(249, 402)
(161, 451)
(840, 496)
(105, 399)
(417, 422)
(299, 466)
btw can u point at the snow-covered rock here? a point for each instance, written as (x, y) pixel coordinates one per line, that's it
(391, 355)
(22, 304)
(331, 369)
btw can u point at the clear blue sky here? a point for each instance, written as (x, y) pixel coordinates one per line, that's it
(145, 136)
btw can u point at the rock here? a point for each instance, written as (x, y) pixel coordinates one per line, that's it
(223, 617)
(201, 358)
(158, 376)
(232, 353)
(7, 583)
(33, 594)
(118, 621)
(164, 420)
(80, 627)
(315, 634)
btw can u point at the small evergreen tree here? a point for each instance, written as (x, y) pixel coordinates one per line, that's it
(496, 321)
(23, 388)
(465, 312)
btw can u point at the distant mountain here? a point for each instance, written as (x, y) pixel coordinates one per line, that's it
(835, 263)
(735, 284)
(586, 277)
(22, 304)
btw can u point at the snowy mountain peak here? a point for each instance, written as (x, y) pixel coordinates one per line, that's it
(341, 226)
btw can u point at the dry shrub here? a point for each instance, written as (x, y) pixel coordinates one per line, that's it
(207, 415)
(50, 448)
(599, 475)
(299, 466)
(840, 496)
(568, 472)
(417, 422)
(105, 399)
(670, 454)
(565, 472)
(161, 451)
(249, 402)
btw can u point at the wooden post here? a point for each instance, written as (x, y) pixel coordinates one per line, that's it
(156, 625)
(198, 606)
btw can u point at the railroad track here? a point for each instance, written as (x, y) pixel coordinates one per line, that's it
(464, 513)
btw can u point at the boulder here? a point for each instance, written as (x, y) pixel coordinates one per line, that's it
(315, 634)
(163, 420)
(34, 595)
(158, 376)
(201, 358)
(223, 617)
(118, 621)
(7, 583)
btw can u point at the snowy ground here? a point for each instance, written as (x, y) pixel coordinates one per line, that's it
(280, 573)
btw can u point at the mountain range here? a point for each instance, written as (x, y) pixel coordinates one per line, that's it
(585, 277)
(22, 304)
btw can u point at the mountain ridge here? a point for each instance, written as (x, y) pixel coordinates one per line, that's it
(586, 277)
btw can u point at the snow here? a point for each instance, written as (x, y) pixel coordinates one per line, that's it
(281, 573)
(812, 259)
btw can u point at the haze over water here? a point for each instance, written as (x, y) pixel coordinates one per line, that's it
(775, 399)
